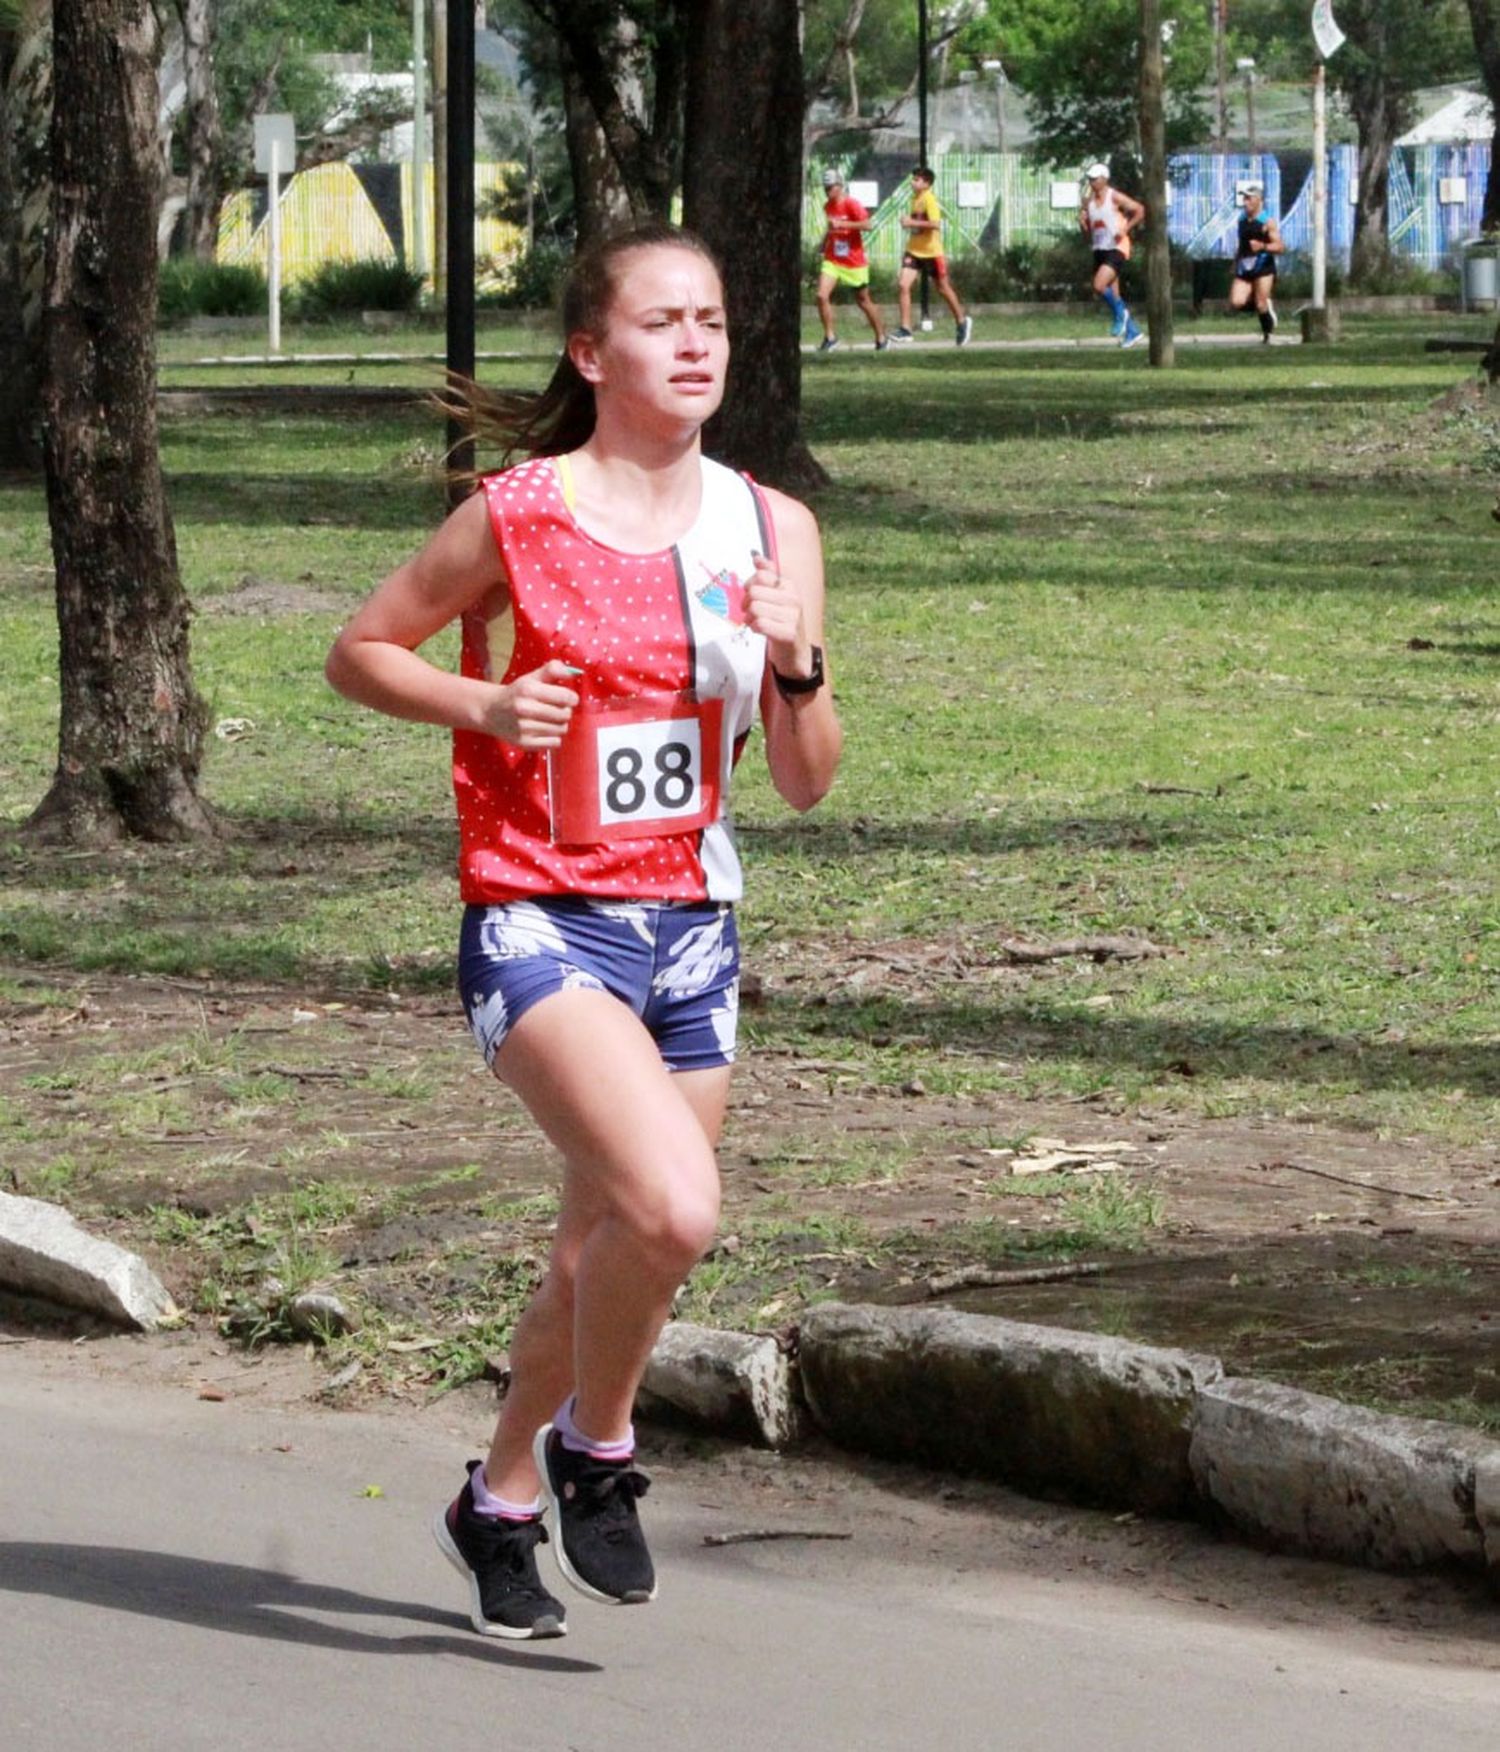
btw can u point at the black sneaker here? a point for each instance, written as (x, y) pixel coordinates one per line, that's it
(600, 1547)
(498, 1560)
(902, 334)
(828, 343)
(883, 345)
(963, 331)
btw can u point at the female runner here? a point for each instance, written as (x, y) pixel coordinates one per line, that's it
(627, 608)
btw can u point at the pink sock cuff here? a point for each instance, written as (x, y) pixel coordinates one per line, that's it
(574, 1438)
(487, 1503)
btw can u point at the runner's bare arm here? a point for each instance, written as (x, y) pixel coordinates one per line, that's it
(374, 660)
(803, 735)
(1274, 243)
(1131, 211)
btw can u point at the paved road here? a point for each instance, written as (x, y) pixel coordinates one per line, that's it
(176, 1574)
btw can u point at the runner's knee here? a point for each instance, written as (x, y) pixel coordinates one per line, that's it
(676, 1225)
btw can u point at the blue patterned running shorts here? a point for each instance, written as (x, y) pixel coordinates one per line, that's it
(675, 963)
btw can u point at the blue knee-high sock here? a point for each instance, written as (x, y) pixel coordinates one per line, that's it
(1112, 300)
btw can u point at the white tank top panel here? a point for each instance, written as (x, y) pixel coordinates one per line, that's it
(1104, 222)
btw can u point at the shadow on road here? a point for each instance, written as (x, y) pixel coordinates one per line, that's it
(242, 1601)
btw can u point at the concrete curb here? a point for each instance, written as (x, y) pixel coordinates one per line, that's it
(1047, 1410)
(729, 1382)
(1099, 1420)
(1311, 1474)
(43, 1252)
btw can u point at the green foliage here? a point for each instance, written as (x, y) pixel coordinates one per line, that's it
(263, 49)
(533, 281)
(1059, 269)
(339, 288)
(1079, 67)
(192, 288)
(884, 47)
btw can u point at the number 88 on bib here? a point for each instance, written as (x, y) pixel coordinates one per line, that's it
(637, 770)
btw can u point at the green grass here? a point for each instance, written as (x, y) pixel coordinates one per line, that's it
(1116, 650)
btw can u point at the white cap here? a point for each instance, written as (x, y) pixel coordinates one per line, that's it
(832, 179)
(1097, 168)
(1253, 188)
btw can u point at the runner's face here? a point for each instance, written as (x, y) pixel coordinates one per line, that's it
(1252, 204)
(665, 350)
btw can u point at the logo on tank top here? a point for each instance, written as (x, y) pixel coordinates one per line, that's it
(723, 595)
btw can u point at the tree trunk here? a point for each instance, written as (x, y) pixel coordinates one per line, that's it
(205, 135)
(601, 202)
(1154, 169)
(131, 723)
(1377, 117)
(1484, 16)
(633, 84)
(25, 180)
(742, 192)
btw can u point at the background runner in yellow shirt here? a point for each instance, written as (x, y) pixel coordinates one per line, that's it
(924, 256)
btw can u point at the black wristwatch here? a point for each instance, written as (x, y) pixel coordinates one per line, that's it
(789, 686)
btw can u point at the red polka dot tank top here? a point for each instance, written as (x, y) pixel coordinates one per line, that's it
(654, 635)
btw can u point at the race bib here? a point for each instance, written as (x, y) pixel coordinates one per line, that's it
(636, 770)
(841, 246)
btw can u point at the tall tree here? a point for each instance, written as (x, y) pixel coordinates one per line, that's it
(1154, 180)
(203, 132)
(131, 724)
(623, 63)
(742, 191)
(1484, 17)
(25, 111)
(601, 198)
(1395, 47)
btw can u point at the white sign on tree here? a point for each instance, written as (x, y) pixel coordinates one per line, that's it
(275, 153)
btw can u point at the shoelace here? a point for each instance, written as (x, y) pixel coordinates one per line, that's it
(611, 1493)
(510, 1543)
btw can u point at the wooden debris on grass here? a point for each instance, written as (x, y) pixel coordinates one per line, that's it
(1058, 1156)
(1023, 954)
(984, 1277)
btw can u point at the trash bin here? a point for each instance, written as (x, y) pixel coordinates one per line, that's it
(1479, 274)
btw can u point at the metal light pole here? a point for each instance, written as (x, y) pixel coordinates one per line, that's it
(922, 54)
(997, 69)
(1246, 66)
(922, 81)
(1318, 322)
(1221, 22)
(419, 136)
(460, 217)
(966, 79)
(1320, 187)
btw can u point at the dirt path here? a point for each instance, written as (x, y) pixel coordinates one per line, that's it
(220, 1130)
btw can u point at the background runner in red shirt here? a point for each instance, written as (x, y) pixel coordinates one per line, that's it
(845, 263)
